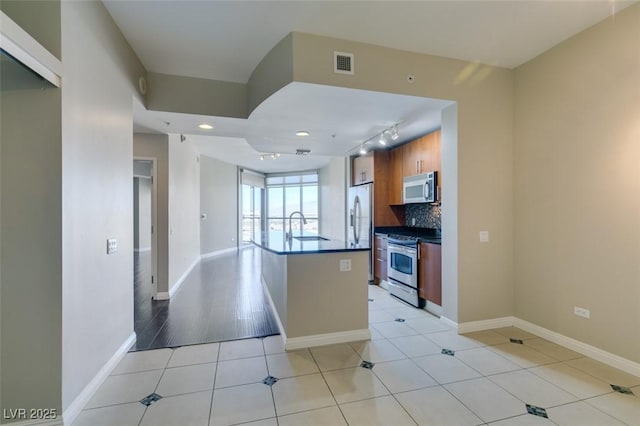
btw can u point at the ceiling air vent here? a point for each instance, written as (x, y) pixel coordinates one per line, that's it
(303, 151)
(343, 63)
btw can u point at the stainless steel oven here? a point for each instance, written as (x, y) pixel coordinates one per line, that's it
(402, 268)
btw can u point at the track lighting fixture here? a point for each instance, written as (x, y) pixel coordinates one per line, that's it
(270, 156)
(387, 135)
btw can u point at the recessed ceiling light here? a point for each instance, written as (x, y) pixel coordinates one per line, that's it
(302, 133)
(205, 126)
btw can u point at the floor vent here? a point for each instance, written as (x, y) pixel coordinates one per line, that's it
(300, 151)
(343, 63)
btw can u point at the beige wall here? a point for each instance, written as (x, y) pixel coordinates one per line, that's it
(40, 18)
(332, 190)
(577, 151)
(219, 201)
(100, 80)
(30, 249)
(196, 96)
(484, 192)
(157, 146)
(321, 299)
(272, 73)
(184, 207)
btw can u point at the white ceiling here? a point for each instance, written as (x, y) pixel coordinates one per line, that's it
(225, 40)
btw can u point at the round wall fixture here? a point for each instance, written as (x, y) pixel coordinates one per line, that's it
(142, 85)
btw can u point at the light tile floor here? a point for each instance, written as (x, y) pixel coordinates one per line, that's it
(487, 380)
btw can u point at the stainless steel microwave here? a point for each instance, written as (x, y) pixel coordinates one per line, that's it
(420, 188)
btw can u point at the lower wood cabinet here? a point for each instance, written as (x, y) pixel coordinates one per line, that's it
(430, 273)
(380, 258)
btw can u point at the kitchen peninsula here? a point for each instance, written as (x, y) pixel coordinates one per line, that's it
(317, 287)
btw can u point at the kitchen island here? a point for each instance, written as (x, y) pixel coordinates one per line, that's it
(318, 288)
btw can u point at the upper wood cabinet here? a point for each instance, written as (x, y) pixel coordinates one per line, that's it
(374, 167)
(413, 157)
(362, 169)
(421, 155)
(395, 176)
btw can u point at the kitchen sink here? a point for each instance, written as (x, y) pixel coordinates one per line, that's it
(311, 238)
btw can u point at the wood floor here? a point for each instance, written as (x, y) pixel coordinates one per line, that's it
(221, 299)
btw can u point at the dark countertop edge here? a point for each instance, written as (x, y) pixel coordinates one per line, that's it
(425, 235)
(279, 252)
(286, 253)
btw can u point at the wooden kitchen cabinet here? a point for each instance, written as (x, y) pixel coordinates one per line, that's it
(430, 273)
(395, 177)
(422, 155)
(380, 258)
(362, 169)
(413, 157)
(374, 168)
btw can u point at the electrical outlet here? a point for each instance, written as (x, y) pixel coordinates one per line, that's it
(484, 236)
(112, 245)
(582, 312)
(345, 265)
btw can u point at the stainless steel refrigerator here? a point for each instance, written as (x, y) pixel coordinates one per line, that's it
(360, 219)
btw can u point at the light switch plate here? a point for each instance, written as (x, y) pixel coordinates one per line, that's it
(345, 265)
(484, 236)
(112, 245)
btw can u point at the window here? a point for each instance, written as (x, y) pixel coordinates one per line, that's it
(251, 216)
(290, 193)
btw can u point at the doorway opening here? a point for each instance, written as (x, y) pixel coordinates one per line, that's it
(144, 229)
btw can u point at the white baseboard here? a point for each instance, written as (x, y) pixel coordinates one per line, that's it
(173, 289)
(143, 249)
(283, 334)
(598, 354)
(85, 395)
(218, 253)
(35, 422)
(585, 349)
(470, 327)
(433, 308)
(448, 322)
(162, 295)
(326, 339)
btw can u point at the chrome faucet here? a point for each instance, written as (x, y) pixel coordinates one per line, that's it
(289, 235)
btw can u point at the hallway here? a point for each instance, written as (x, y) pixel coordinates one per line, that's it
(221, 299)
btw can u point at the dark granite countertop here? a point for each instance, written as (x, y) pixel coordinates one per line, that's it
(275, 242)
(426, 235)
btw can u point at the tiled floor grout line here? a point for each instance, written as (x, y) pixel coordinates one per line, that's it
(327, 383)
(157, 384)
(393, 394)
(213, 385)
(273, 398)
(482, 375)
(388, 340)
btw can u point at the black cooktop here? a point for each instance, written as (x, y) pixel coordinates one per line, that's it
(422, 234)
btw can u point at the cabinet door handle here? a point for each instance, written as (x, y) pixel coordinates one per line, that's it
(417, 166)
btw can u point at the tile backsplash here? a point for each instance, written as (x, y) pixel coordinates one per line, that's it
(426, 215)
